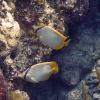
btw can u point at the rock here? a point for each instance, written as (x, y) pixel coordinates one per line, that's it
(3, 87)
(80, 54)
(75, 60)
(18, 95)
(30, 51)
(8, 60)
(70, 77)
(74, 95)
(12, 42)
(92, 81)
(98, 63)
(3, 39)
(72, 10)
(96, 94)
(27, 12)
(2, 46)
(9, 28)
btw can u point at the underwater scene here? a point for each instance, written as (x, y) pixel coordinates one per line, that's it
(49, 49)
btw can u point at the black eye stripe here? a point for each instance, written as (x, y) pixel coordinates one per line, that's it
(26, 73)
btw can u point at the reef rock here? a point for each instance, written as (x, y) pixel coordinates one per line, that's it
(72, 10)
(18, 95)
(83, 50)
(3, 87)
(9, 28)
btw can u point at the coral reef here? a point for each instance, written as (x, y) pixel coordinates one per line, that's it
(29, 52)
(72, 10)
(89, 88)
(82, 51)
(9, 28)
(27, 11)
(21, 48)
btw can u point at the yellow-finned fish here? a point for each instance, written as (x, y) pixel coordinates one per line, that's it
(40, 72)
